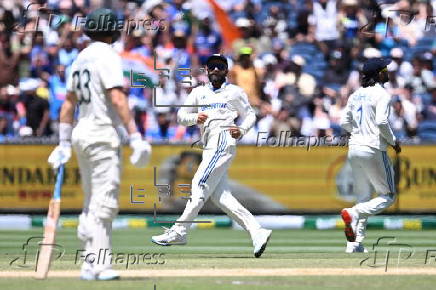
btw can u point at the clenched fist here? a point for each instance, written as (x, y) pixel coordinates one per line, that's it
(235, 132)
(201, 118)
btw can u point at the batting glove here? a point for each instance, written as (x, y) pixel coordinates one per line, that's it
(141, 150)
(60, 155)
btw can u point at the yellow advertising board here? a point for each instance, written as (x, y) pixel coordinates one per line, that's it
(320, 179)
(265, 179)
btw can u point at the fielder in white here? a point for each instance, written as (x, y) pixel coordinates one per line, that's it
(219, 103)
(366, 118)
(95, 85)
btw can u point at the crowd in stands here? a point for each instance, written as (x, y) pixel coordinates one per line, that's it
(297, 60)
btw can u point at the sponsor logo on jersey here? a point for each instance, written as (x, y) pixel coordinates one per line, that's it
(214, 106)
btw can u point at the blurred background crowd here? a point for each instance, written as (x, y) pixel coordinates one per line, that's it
(297, 60)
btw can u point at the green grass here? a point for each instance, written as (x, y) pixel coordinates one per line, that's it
(226, 248)
(279, 283)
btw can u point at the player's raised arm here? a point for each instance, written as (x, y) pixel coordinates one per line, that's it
(245, 111)
(188, 116)
(347, 118)
(382, 119)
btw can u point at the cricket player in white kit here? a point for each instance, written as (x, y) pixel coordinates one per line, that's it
(95, 85)
(366, 118)
(217, 106)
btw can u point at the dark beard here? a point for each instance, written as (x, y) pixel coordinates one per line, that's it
(213, 78)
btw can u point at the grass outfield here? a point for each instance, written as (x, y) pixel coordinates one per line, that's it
(294, 259)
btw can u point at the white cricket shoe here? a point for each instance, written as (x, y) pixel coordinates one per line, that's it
(107, 275)
(87, 274)
(260, 240)
(355, 247)
(169, 238)
(350, 220)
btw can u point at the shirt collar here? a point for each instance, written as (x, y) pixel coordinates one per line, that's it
(223, 86)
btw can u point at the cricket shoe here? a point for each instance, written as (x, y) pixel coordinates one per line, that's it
(260, 241)
(350, 221)
(355, 247)
(87, 274)
(169, 238)
(105, 275)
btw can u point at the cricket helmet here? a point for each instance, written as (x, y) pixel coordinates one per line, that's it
(102, 22)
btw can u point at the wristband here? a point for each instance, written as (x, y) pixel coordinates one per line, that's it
(65, 130)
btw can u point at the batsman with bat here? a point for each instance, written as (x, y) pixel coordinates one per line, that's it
(366, 118)
(214, 107)
(95, 85)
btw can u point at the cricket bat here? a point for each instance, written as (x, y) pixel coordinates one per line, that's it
(46, 247)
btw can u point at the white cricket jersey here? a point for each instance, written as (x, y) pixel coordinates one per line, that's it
(96, 69)
(366, 118)
(222, 107)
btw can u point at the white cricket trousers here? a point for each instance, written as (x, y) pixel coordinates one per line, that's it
(100, 170)
(210, 180)
(371, 167)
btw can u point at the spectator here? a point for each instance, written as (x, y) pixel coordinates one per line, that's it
(325, 21)
(5, 128)
(386, 35)
(293, 75)
(264, 119)
(410, 111)
(281, 124)
(422, 78)
(351, 19)
(40, 65)
(16, 108)
(321, 121)
(337, 73)
(37, 108)
(429, 112)
(396, 83)
(335, 110)
(9, 61)
(405, 69)
(207, 41)
(244, 74)
(396, 118)
(248, 36)
(181, 59)
(68, 53)
(6, 113)
(165, 131)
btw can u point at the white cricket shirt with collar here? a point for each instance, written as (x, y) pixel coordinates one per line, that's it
(222, 106)
(366, 117)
